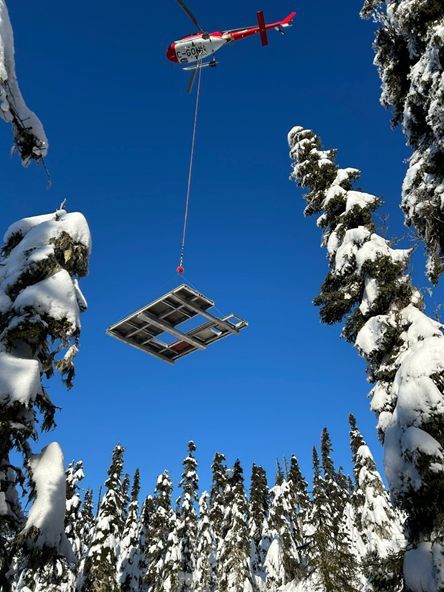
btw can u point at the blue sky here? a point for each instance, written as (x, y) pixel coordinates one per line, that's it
(119, 124)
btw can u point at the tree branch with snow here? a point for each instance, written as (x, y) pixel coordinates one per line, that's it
(29, 135)
(409, 54)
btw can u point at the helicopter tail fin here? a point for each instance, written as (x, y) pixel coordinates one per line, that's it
(287, 22)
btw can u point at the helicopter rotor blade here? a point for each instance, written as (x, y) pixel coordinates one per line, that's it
(188, 12)
(191, 82)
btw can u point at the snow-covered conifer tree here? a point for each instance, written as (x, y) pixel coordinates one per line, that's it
(126, 482)
(73, 515)
(29, 136)
(404, 349)
(40, 306)
(218, 503)
(409, 50)
(45, 561)
(144, 526)
(331, 559)
(131, 550)
(283, 564)
(86, 531)
(279, 479)
(302, 504)
(258, 525)
(187, 520)
(100, 571)
(204, 572)
(218, 490)
(379, 524)
(234, 572)
(299, 488)
(162, 552)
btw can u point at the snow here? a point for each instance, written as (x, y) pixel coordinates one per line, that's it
(10, 95)
(54, 297)
(47, 513)
(359, 199)
(377, 247)
(418, 568)
(5, 302)
(416, 441)
(332, 193)
(368, 338)
(293, 133)
(273, 564)
(370, 295)
(420, 325)
(24, 225)
(39, 234)
(349, 248)
(19, 379)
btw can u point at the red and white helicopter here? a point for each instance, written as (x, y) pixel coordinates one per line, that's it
(193, 49)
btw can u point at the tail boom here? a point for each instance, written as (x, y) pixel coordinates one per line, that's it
(261, 29)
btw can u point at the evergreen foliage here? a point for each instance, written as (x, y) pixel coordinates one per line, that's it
(331, 554)
(204, 573)
(131, 550)
(369, 288)
(409, 48)
(277, 539)
(234, 573)
(283, 563)
(40, 305)
(101, 564)
(258, 525)
(187, 520)
(161, 550)
(218, 503)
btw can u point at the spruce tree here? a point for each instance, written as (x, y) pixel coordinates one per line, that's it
(379, 524)
(218, 504)
(234, 573)
(73, 516)
(218, 490)
(204, 573)
(146, 513)
(368, 286)
(187, 520)
(258, 524)
(162, 545)
(299, 487)
(100, 571)
(86, 532)
(126, 482)
(331, 557)
(40, 306)
(130, 551)
(283, 564)
(279, 479)
(301, 505)
(409, 49)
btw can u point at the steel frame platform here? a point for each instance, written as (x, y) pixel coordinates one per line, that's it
(146, 328)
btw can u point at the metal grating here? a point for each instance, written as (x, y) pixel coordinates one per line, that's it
(154, 328)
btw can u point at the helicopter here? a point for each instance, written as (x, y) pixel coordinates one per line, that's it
(194, 49)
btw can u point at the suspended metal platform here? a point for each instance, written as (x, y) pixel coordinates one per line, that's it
(155, 330)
